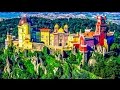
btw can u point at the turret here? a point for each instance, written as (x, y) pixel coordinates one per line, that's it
(100, 25)
(83, 48)
(66, 28)
(8, 40)
(56, 27)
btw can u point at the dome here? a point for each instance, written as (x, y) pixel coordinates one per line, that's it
(23, 20)
(60, 30)
(66, 26)
(56, 26)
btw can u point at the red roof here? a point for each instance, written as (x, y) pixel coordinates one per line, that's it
(44, 29)
(76, 45)
(22, 21)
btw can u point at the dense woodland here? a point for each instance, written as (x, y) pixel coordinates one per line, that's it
(20, 64)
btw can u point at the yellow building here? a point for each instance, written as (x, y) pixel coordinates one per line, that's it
(24, 34)
(60, 37)
(45, 35)
(72, 38)
(52, 39)
(8, 40)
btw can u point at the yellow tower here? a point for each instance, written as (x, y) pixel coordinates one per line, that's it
(24, 34)
(8, 40)
(45, 35)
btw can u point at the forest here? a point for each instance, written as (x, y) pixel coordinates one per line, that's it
(42, 65)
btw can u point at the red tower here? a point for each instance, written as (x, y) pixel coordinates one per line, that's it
(100, 25)
(82, 46)
(101, 29)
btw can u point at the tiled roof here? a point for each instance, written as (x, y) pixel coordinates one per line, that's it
(90, 34)
(44, 29)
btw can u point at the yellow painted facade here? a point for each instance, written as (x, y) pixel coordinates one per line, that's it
(27, 44)
(8, 41)
(51, 39)
(70, 38)
(45, 37)
(75, 39)
(23, 41)
(24, 36)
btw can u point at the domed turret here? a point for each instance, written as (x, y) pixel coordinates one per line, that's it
(60, 30)
(66, 28)
(22, 21)
(56, 27)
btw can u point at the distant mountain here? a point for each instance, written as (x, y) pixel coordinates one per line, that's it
(111, 16)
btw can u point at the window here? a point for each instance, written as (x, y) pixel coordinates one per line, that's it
(60, 44)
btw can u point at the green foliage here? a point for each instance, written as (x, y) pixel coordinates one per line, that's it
(29, 66)
(115, 46)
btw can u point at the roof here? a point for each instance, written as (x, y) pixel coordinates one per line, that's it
(89, 34)
(24, 20)
(44, 29)
(56, 26)
(60, 30)
(66, 26)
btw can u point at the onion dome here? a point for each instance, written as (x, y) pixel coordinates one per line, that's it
(56, 26)
(66, 26)
(60, 30)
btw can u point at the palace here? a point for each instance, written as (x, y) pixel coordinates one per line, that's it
(32, 38)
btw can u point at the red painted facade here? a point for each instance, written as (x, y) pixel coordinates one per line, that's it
(99, 35)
